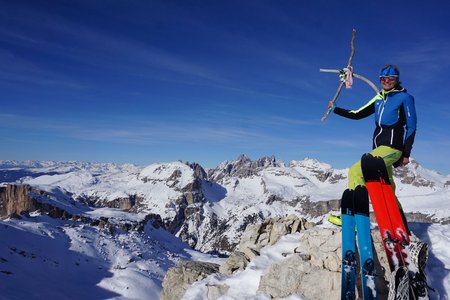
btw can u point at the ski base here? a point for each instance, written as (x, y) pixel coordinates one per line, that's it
(355, 216)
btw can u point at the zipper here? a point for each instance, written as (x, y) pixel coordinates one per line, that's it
(392, 136)
(379, 122)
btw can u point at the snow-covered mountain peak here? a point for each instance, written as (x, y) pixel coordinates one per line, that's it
(310, 163)
(317, 171)
(176, 174)
(418, 176)
(71, 181)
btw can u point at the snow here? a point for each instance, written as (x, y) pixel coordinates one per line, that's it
(244, 285)
(44, 258)
(115, 214)
(49, 259)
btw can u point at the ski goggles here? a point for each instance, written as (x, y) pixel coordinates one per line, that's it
(388, 78)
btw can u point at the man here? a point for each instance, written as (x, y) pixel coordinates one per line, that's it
(395, 113)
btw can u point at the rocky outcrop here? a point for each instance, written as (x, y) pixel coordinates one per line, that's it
(199, 172)
(409, 175)
(269, 232)
(15, 199)
(21, 199)
(179, 278)
(242, 167)
(315, 262)
(319, 208)
(128, 204)
(258, 236)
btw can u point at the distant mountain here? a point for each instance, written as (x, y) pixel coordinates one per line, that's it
(209, 209)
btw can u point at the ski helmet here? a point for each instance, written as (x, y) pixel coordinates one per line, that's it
(390, 70)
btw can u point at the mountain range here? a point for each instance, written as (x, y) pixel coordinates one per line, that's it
(135, 222)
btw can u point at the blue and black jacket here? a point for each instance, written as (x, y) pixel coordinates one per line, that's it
(394, 112)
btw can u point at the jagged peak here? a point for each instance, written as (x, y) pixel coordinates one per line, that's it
(243, 166)
(264, 161)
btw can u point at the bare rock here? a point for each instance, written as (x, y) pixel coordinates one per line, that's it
(14, 199)
(237, 261)
(270, 231)
(215, 291)
(297, 276)
(184, 274)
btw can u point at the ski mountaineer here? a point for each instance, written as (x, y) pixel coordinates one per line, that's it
(395, 127)
(393, 138)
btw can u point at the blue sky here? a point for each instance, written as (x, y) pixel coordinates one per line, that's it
(205, 81)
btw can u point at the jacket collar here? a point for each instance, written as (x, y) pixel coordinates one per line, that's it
(396, 89)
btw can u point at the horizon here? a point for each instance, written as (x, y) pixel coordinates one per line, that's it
(286, 163)
(205, 82)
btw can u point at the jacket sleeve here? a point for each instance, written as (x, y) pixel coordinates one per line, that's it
(360, 113)
(411, 124)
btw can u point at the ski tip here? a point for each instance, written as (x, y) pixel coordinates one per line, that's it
(336, 220)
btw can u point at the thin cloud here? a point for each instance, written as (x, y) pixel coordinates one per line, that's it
(431, 52)
(93, 45)
(341, 143)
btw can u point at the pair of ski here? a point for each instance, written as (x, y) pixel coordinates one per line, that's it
(408, 280)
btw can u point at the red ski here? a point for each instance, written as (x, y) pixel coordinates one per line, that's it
(408, 280)
(390, 222)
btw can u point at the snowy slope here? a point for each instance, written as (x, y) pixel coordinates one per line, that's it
(45, 258)
(208, 213)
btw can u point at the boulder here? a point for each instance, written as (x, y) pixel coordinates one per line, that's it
(178, 279)
(237, 261)
(297, 275)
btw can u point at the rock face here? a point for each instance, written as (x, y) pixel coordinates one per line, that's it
(14, 200)
(270, 231)
(180, 277)
(242, 167)
(319, 208)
